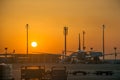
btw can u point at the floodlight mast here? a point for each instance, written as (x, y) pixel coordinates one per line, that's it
(79, 46)
(6, 52)
(115, 48)
(103, 42)
(84, 40)
(65, 33)
(27, 39)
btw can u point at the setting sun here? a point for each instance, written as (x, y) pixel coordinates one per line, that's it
(34, 44)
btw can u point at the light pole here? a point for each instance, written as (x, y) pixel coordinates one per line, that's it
(27, 39)
(79, 46)
(65, 33)
(103, 42)
(115, 53)
(84, 40)
(6, 52)
(91, 49)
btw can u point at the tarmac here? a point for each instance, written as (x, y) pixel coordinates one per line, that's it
(89, 68)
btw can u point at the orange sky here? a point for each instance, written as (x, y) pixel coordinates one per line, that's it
(47, 19)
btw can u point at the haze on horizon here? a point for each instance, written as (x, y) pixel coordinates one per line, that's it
(46, 19)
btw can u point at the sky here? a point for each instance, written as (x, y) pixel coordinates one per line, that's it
(47, 18)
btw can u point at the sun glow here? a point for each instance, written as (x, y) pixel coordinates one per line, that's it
(34, 44)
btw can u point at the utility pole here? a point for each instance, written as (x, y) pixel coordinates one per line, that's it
(84, 40)
(79, 47)
(27, 39)
(65, 33)
(103, 42)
